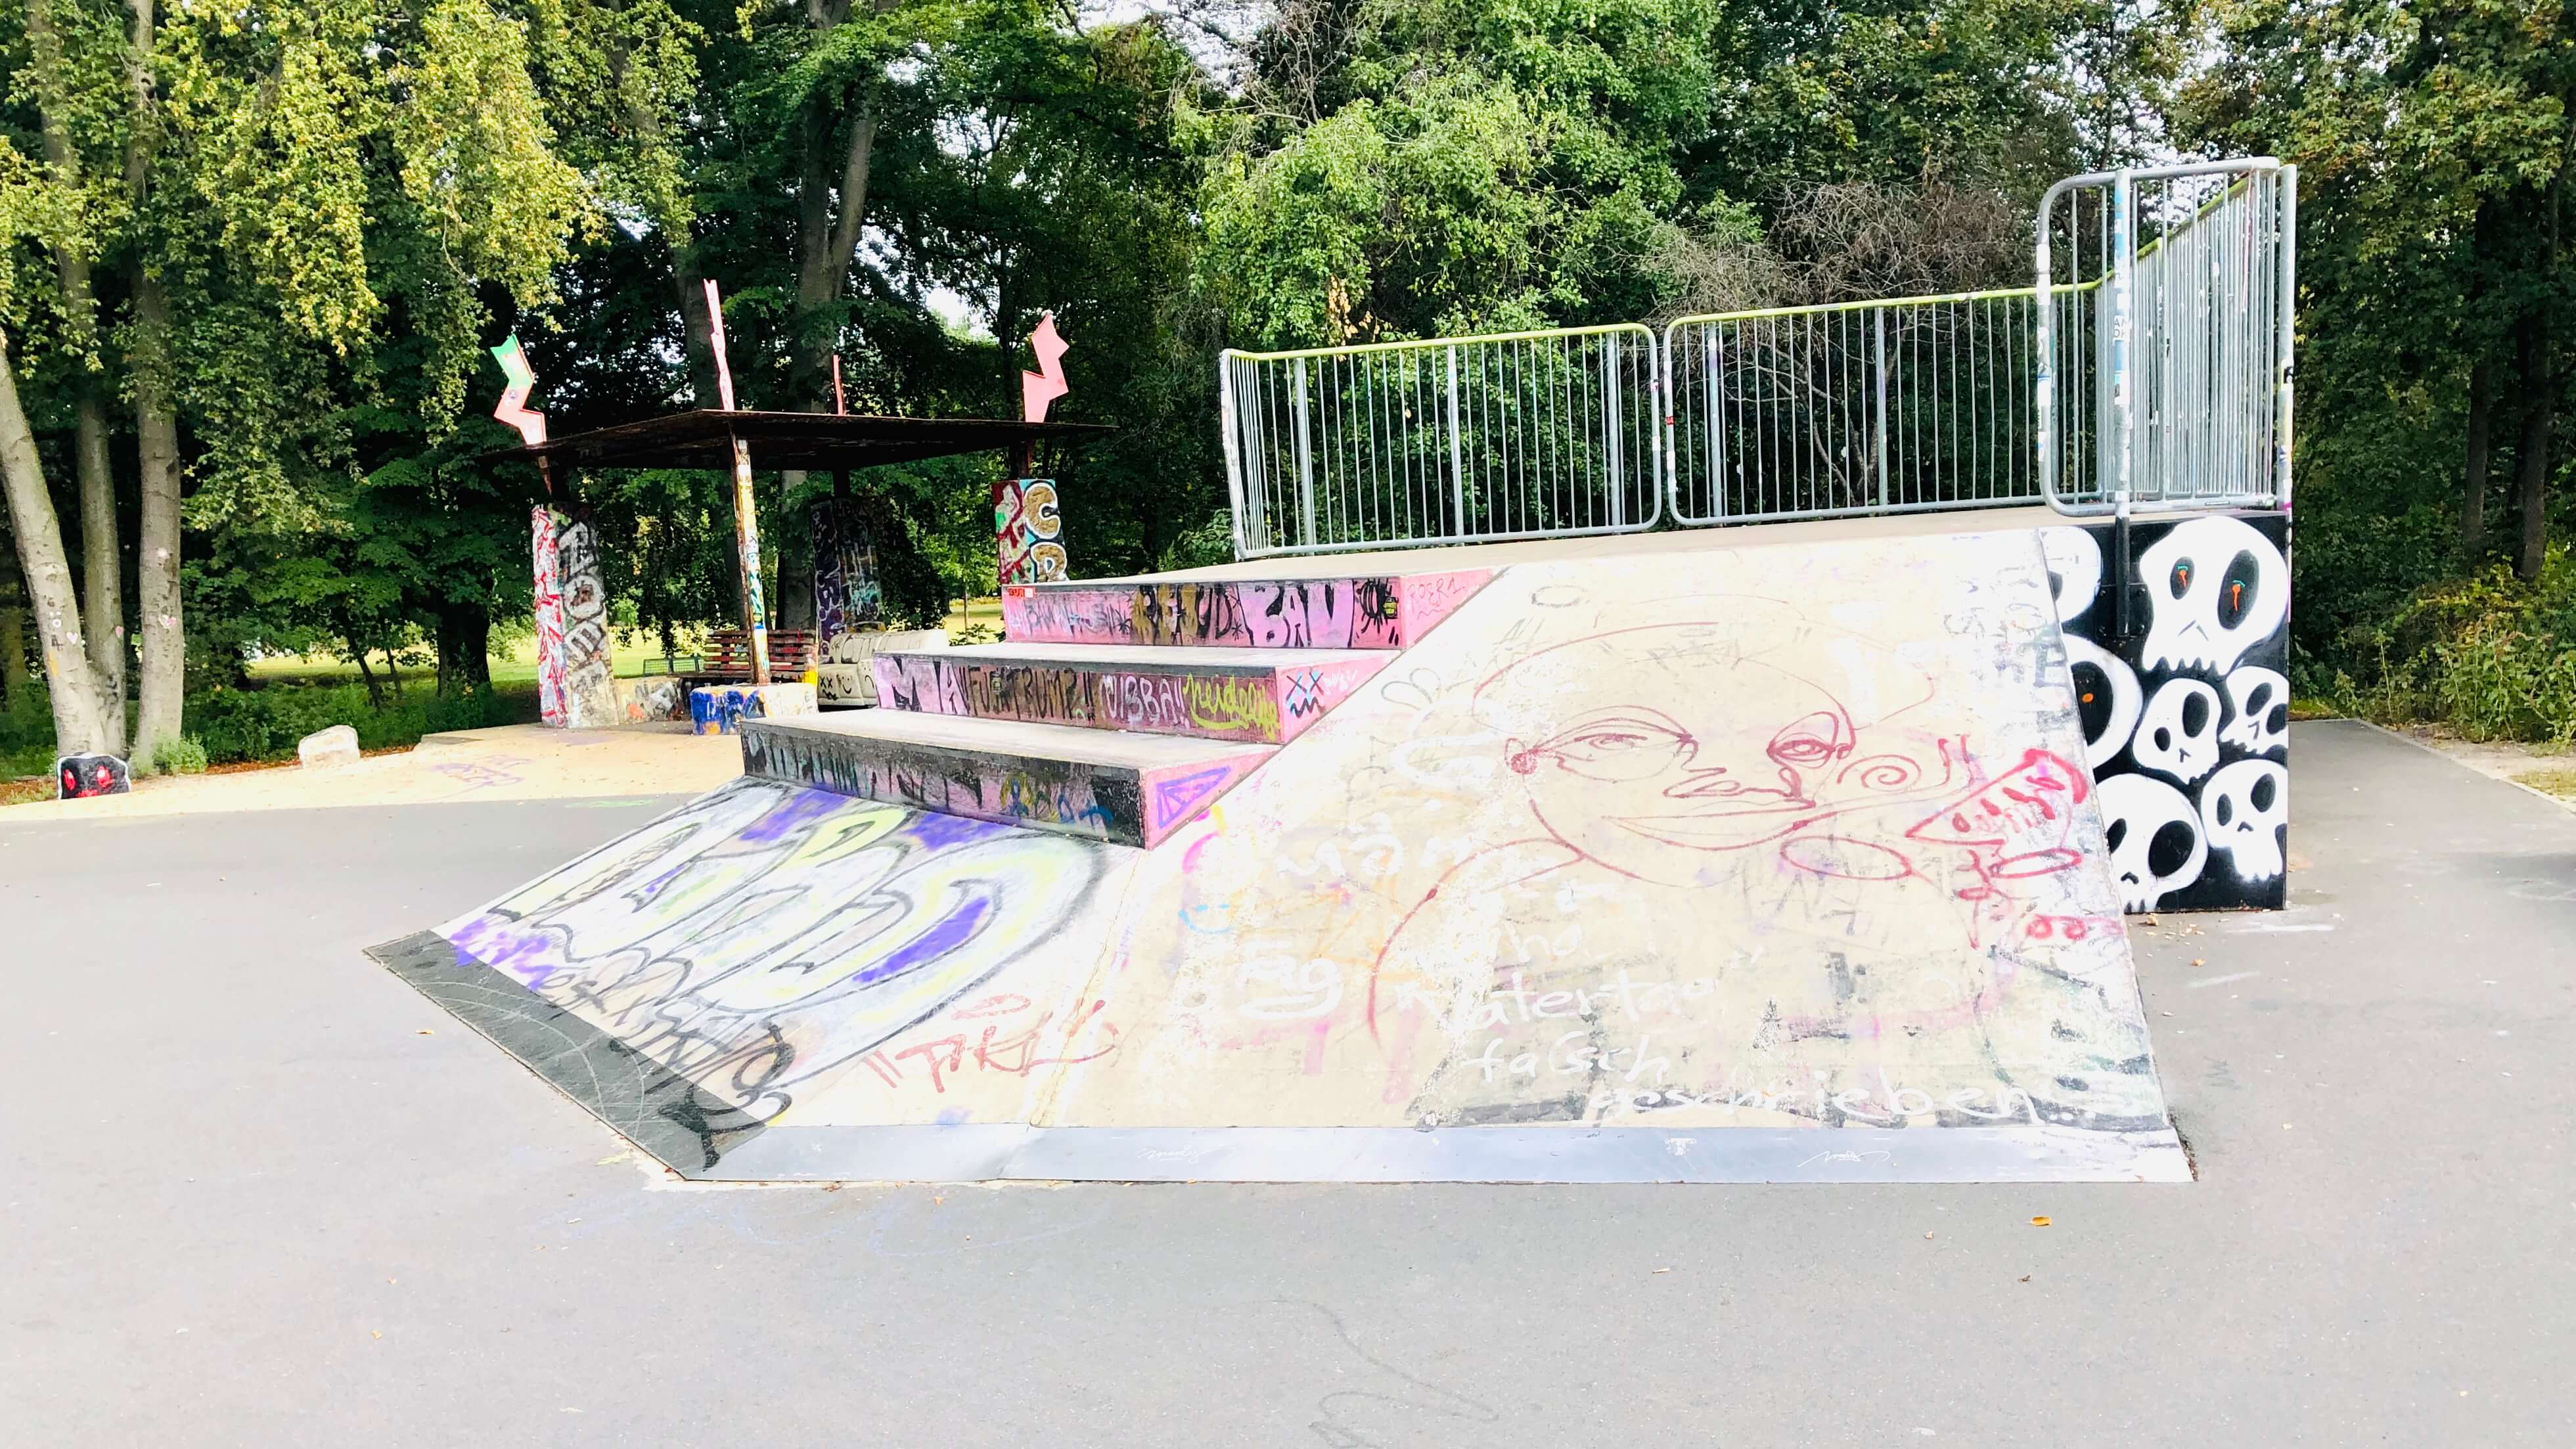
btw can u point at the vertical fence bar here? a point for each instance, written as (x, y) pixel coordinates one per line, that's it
(1878, 369)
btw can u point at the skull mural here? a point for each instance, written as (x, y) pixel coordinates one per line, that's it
(2106, 698)
(2074, 570)
(2219, 588)
(2154, 837)
(2258, 701)
(2243, 810)
(2178, 735)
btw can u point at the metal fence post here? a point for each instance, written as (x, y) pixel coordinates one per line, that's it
(2123, 264)
(1305, 460)
(1878, 351)
(1457, 455)
(1613, 420)
(2287, 362)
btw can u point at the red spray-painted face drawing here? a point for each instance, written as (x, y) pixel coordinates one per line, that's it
(1718, 753)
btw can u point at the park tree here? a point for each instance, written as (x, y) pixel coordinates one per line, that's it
(311, 216)
(2435, 144)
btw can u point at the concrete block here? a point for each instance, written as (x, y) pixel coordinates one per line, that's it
(654, 697)
(720, 709)
(77, 777)
(328, 749)
(845, 678)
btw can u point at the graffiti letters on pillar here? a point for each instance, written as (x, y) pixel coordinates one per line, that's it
(2186, 726)
(847, 598)
(1027, 533)
(78, 777)
(549, 610)
(588, 681)
(759, 937)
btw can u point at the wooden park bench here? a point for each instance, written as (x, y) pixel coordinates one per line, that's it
(728, 657)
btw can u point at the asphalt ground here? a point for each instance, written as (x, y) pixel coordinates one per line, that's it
(261, 1193)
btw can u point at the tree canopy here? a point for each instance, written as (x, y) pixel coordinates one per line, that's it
(251, 257)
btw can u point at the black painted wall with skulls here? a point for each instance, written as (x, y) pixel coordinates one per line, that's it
(2186, 709)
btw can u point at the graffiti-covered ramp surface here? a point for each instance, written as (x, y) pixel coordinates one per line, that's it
(1771, 865)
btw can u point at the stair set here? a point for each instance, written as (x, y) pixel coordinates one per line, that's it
(1120, 709)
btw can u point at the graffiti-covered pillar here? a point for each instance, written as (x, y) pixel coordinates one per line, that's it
(549, 610)
(746, 527)
(2186, 714)
(848, 598)
(589, 672)
(1028, 536)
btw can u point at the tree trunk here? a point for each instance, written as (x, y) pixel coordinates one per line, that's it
(375, 691)
(464, 647)
(156, 563)
(13, 629)
(699, 335)
(2532, 483)
(102, 569)
(393, 671)
(2473, 485)
(2537, 387)
(80, 707)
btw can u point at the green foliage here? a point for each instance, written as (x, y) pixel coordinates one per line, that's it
(184, 755)
(2490, 656)
(266, 724)
(26, 733)
(1208, 544)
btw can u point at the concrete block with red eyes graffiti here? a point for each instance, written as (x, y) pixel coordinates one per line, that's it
(78, 777)
(2172, 711)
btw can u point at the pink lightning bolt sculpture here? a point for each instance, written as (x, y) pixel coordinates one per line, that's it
(1039, 388)
(514, 408)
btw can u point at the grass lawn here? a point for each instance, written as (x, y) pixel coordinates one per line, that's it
(516, 662)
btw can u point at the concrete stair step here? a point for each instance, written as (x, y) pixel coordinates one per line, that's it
(1257, 696)
(1362, 611)
(1129, 789)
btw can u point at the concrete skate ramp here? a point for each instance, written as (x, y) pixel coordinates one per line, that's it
(1758, 864)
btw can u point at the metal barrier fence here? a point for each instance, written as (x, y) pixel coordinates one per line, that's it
(1859, 407)
(1464, 440)
(2154, 375)
(2173, 387)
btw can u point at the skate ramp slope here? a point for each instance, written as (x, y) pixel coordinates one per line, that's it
(1757, 864)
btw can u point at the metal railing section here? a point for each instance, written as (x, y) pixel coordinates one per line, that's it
(1460, 440)
(1888, 406)
(2165, 368)
(2149, 367)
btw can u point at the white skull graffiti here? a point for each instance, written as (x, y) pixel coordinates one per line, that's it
(2074, 569)
(2143, 819)
(2119, 681)
(2242, 811)
(2219, 589)
(2259, 703)
(2178, 735)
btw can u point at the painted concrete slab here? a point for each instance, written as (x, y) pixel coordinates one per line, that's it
(1262, 696)
(1132, 789)
(1622, 875)
(1380, 611)
(720, 709)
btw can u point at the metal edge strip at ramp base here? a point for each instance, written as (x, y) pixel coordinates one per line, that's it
(704, 1140)
(650, 1105)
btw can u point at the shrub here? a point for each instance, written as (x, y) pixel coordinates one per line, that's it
(2489, 656)
(185, 755)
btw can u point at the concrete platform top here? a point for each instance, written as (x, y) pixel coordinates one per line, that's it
(1165, 658)
(1010, 737)
(1380, 563)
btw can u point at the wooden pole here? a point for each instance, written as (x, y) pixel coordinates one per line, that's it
(746, 529)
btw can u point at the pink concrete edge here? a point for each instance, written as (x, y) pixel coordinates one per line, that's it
(1333, 684)
(1423, 600)
(1151, 783)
